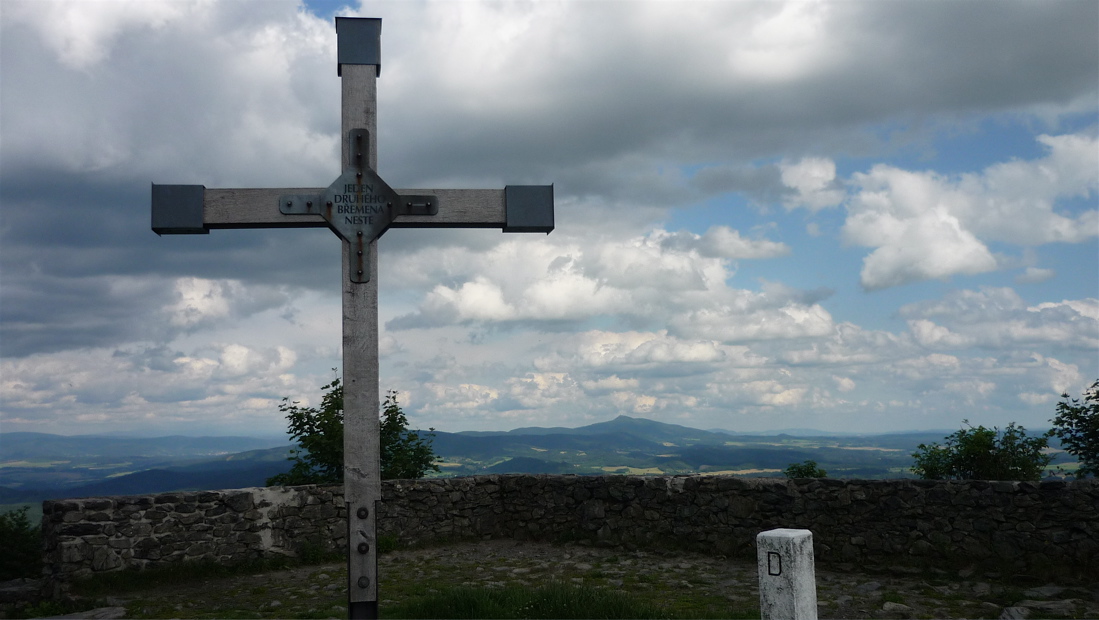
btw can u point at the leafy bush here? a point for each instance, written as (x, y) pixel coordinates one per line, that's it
(1077, 426)
(808, 469)
(984, 454)
(318, 459)
(404, 453)
(21, 544)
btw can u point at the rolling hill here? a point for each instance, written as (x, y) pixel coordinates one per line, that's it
(36, 466)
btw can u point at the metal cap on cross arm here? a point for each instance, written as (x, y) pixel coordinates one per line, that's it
(529, 208)
(177, 210)
(358, 42)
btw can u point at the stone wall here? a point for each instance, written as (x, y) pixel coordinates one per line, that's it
(1021, 526)
(86, 536)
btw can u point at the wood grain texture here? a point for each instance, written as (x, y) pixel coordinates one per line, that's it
(458, 208)
(255, 208)
(259, 208)
(361, 403)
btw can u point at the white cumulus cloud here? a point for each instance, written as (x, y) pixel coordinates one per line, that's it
(813, 178)
(924, 225)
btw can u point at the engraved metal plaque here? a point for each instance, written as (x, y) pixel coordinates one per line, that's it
(358, 206)
(359, 201)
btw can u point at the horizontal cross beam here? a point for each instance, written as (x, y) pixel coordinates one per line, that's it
(194, 209)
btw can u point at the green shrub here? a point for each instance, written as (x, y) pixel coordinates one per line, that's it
(318, 459)
(979, 453)
(808, 469)
(1077, 425)
(21, 544)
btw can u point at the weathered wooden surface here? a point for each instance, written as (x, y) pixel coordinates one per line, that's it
(361, 448)
(258, 208)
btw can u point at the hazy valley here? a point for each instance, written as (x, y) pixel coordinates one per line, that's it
(37, 466)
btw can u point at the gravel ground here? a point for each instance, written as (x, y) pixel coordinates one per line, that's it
(690, 584)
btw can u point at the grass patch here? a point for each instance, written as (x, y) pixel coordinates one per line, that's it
(49, 609)
(132, 580)
(387, 543)
(892, 597)
(554, 600)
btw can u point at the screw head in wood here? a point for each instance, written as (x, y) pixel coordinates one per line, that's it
(364, 582)
(364, 547)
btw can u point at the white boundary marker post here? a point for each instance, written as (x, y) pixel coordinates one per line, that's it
(787, 577)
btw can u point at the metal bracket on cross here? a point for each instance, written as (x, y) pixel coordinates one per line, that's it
(359, 206)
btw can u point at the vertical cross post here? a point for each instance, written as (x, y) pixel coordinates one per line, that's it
(362, 460)
(359, 207)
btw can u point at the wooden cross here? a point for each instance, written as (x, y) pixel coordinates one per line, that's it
(359, 207)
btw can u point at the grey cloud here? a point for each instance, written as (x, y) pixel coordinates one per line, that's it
(900, 61)
(761, 183)
(159, 358)
(416, 320)
(48, 314)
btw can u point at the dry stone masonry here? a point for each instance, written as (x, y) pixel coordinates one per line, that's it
(1017, 526)
(86, 536)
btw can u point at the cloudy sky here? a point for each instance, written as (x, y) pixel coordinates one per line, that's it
(858, 216)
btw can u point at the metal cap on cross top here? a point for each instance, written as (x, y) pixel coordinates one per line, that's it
(359, 206)
(358, 42)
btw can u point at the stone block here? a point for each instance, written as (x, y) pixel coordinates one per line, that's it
(742, 507)
(920, 548)
(319, 511)
(120, 543)
(98, 504)
(105, 559)
(200, 548)
(239, 502)
(787, 575)
(79, 529)
(129, 510)
(73, 551)
(189, 519)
